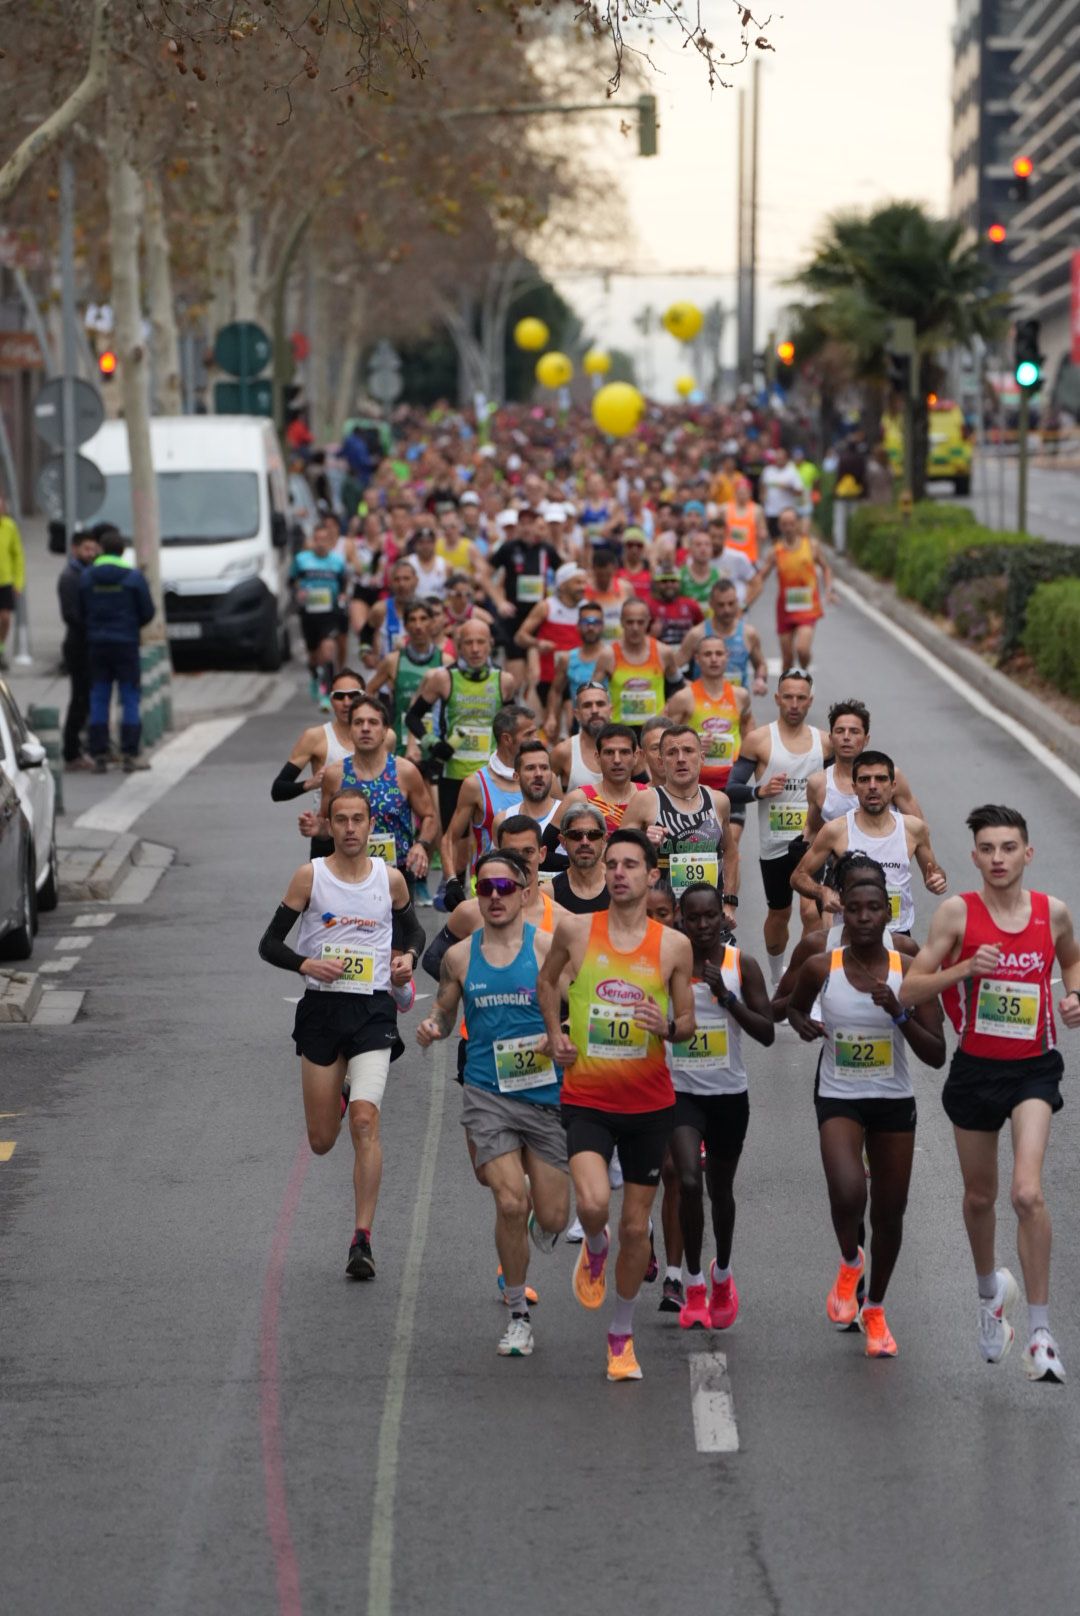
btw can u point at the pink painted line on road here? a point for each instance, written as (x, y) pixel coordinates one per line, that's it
(286, 1572)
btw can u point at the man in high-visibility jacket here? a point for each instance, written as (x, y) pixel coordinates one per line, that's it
(12, 574)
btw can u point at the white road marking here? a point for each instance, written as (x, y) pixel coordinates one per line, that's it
(94, 920)
(381, 1549)
(74, 942)
(54, 966)
(119, 811)
(1042, 754)
(715, 1430)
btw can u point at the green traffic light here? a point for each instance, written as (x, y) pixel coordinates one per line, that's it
(1027, 373)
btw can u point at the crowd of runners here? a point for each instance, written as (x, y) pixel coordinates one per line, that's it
(549, 716)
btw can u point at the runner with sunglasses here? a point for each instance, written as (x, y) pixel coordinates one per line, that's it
(318, 747)
(511, 1088)
(582, 888)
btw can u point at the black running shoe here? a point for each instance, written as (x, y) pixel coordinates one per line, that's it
(361, 1264)
(673, 1298)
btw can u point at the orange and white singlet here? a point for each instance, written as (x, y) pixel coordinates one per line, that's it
(620, 1066)
(798, 600)
(716, 719)
(742, 531)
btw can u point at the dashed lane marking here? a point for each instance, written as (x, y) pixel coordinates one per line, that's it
(95, 920)
(73, 942)
(53, 967)
(715, 1430)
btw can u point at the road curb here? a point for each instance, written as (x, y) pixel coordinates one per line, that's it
(90, 873)
(20, 995)
(1012, 699)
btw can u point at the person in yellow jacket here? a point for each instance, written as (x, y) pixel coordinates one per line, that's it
(12, 574)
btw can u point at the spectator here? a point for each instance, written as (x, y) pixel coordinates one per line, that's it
(12, 574)
(781, 486)
(879, 477)
(84, 552)
(116, 607)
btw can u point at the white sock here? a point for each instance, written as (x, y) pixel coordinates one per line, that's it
(776, 968)
(1038, 1317)
(987, 1286)
(673, 1273)
(695, 1279)
(720, 1275)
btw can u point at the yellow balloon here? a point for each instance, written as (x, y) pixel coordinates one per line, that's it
(683, 321)
(685, 385)
(617, 409)
(531, 333)
(553, 370)
(596, 362)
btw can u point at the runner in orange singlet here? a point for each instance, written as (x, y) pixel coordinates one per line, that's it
(797, 559)
(746, 530)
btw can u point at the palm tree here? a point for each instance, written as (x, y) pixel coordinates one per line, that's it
(896, 262)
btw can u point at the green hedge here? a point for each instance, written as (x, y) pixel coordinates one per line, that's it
(1034, 564)
(932, 562)
(876, 533)
(1052, 633)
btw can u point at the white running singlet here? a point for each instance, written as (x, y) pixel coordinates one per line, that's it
(351, 921)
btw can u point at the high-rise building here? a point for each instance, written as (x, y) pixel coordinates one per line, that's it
(986, 37)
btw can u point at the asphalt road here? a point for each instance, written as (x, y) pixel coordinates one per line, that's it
(199, 1414)
(1053, 499)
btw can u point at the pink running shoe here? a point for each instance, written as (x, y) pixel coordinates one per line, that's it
(694, 1313)
(724, 1303)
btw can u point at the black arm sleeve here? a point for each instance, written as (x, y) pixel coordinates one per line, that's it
(406, 930)
(432, 960)
(285, 787)
(414, 718)
(272, 945)
(738, 788)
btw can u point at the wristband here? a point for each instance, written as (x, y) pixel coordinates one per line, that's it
(730, 900)
(898, 1021)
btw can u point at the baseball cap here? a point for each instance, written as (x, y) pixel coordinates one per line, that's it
(507, 518)
(665, 570)
(470, 498)
(634, 535)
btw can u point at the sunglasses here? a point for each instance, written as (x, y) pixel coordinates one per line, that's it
(491, 886)
(345, 695)
(583, 835)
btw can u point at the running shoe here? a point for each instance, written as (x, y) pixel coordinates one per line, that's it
(694, 1313)
(652, 1272)
(361, 1264)
(590, 1276)
(723, 1302)
(995, 1332)
(575, 1234)
(542, 1239)
(1042, 1361)
(840, 1304)
(673, 1296)
(621, 1361)
(517, 1338)
(879, 1338)
(530, 1295)
(421, 896)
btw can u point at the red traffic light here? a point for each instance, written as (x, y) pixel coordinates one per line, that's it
(107, 362)
(997, 234)
(785, 352)
(1023, 167)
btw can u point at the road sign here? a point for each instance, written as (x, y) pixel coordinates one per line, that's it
(384, 373)
(242, 349)
(89, 488)
(244, 398)
(89, 411)
(900, 336)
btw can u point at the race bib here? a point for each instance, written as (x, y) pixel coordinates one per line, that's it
(530, 588)
(1008, 1009)
(639, 704)
(474, 745)
(519, 1064)
(359, 973)
(719, 746)
(318, 598)
(798, 598)
(383, 847)
(863, 1054)
(614, 1035)
(787, 818)
(894, 905)
(686, 868)
(708, 1046)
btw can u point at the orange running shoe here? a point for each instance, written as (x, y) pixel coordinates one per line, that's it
(590, 1276)
(879, 1338)
(841, 1303)
(622, 1363)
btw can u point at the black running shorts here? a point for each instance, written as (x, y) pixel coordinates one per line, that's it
(330, 1026)
(980, 1094)
(319, 626)
(874, 1116)
(720, 1119)
(776, 875)
(641, 1138)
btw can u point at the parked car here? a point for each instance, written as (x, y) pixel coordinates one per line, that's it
(18, 899)
(22, 758)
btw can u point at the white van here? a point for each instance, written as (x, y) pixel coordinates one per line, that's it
(223, 502)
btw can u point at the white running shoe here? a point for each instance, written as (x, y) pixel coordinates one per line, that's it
(517, 1341)
(575, 1234)
(1042, 1361)
(995, 1332)
(542, 1239)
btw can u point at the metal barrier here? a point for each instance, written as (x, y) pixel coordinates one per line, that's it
(45, 723)
(157, 716)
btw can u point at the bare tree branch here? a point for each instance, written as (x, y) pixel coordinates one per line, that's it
(42, 139)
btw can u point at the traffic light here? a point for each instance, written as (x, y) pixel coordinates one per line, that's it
(785, 352)
(1022, 168)
(646, 109)
(1027, 360)
(107, 363)
(996, 234)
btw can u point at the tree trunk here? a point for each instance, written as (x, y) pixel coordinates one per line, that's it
(351, 349)
(164, 336)
(921, 441)
(125, 205)
(243, 265)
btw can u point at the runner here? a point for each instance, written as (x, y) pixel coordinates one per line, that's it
(582, 888)
(317, 575)
(386, 624)
(402, 672)
(639, 669)
(741, 639)
(576, 667)
(616, 750)
(780, 757)
(575, 761)
(797, 560)
(359, 938)
(718, 710)
(552, 626)
(536, 801)
(829, 792)
(652, 734)
(318, 746)
(674, 612)
(781, 489)
(607, 591)
(484, 794)
(511, 1089)
(521, 568)
(687, 822)
(864, 1097)
(874, 827)
(747, 533)
(660, 906)
(712, 1106)
(404, 828)
(991, 953)
(432, 570)
(629, 990)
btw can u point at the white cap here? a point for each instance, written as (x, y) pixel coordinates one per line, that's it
(568, 571)
(513, 462)
(552, 511)
(507, 518)
(470, 497)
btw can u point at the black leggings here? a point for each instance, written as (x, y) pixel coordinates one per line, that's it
(720, 1174)
(890, 1156)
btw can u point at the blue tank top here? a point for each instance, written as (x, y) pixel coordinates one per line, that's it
(495, 798)
(738, 656)
(580, 673)
(390, 811)
(500, 1006)
(319, 580)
